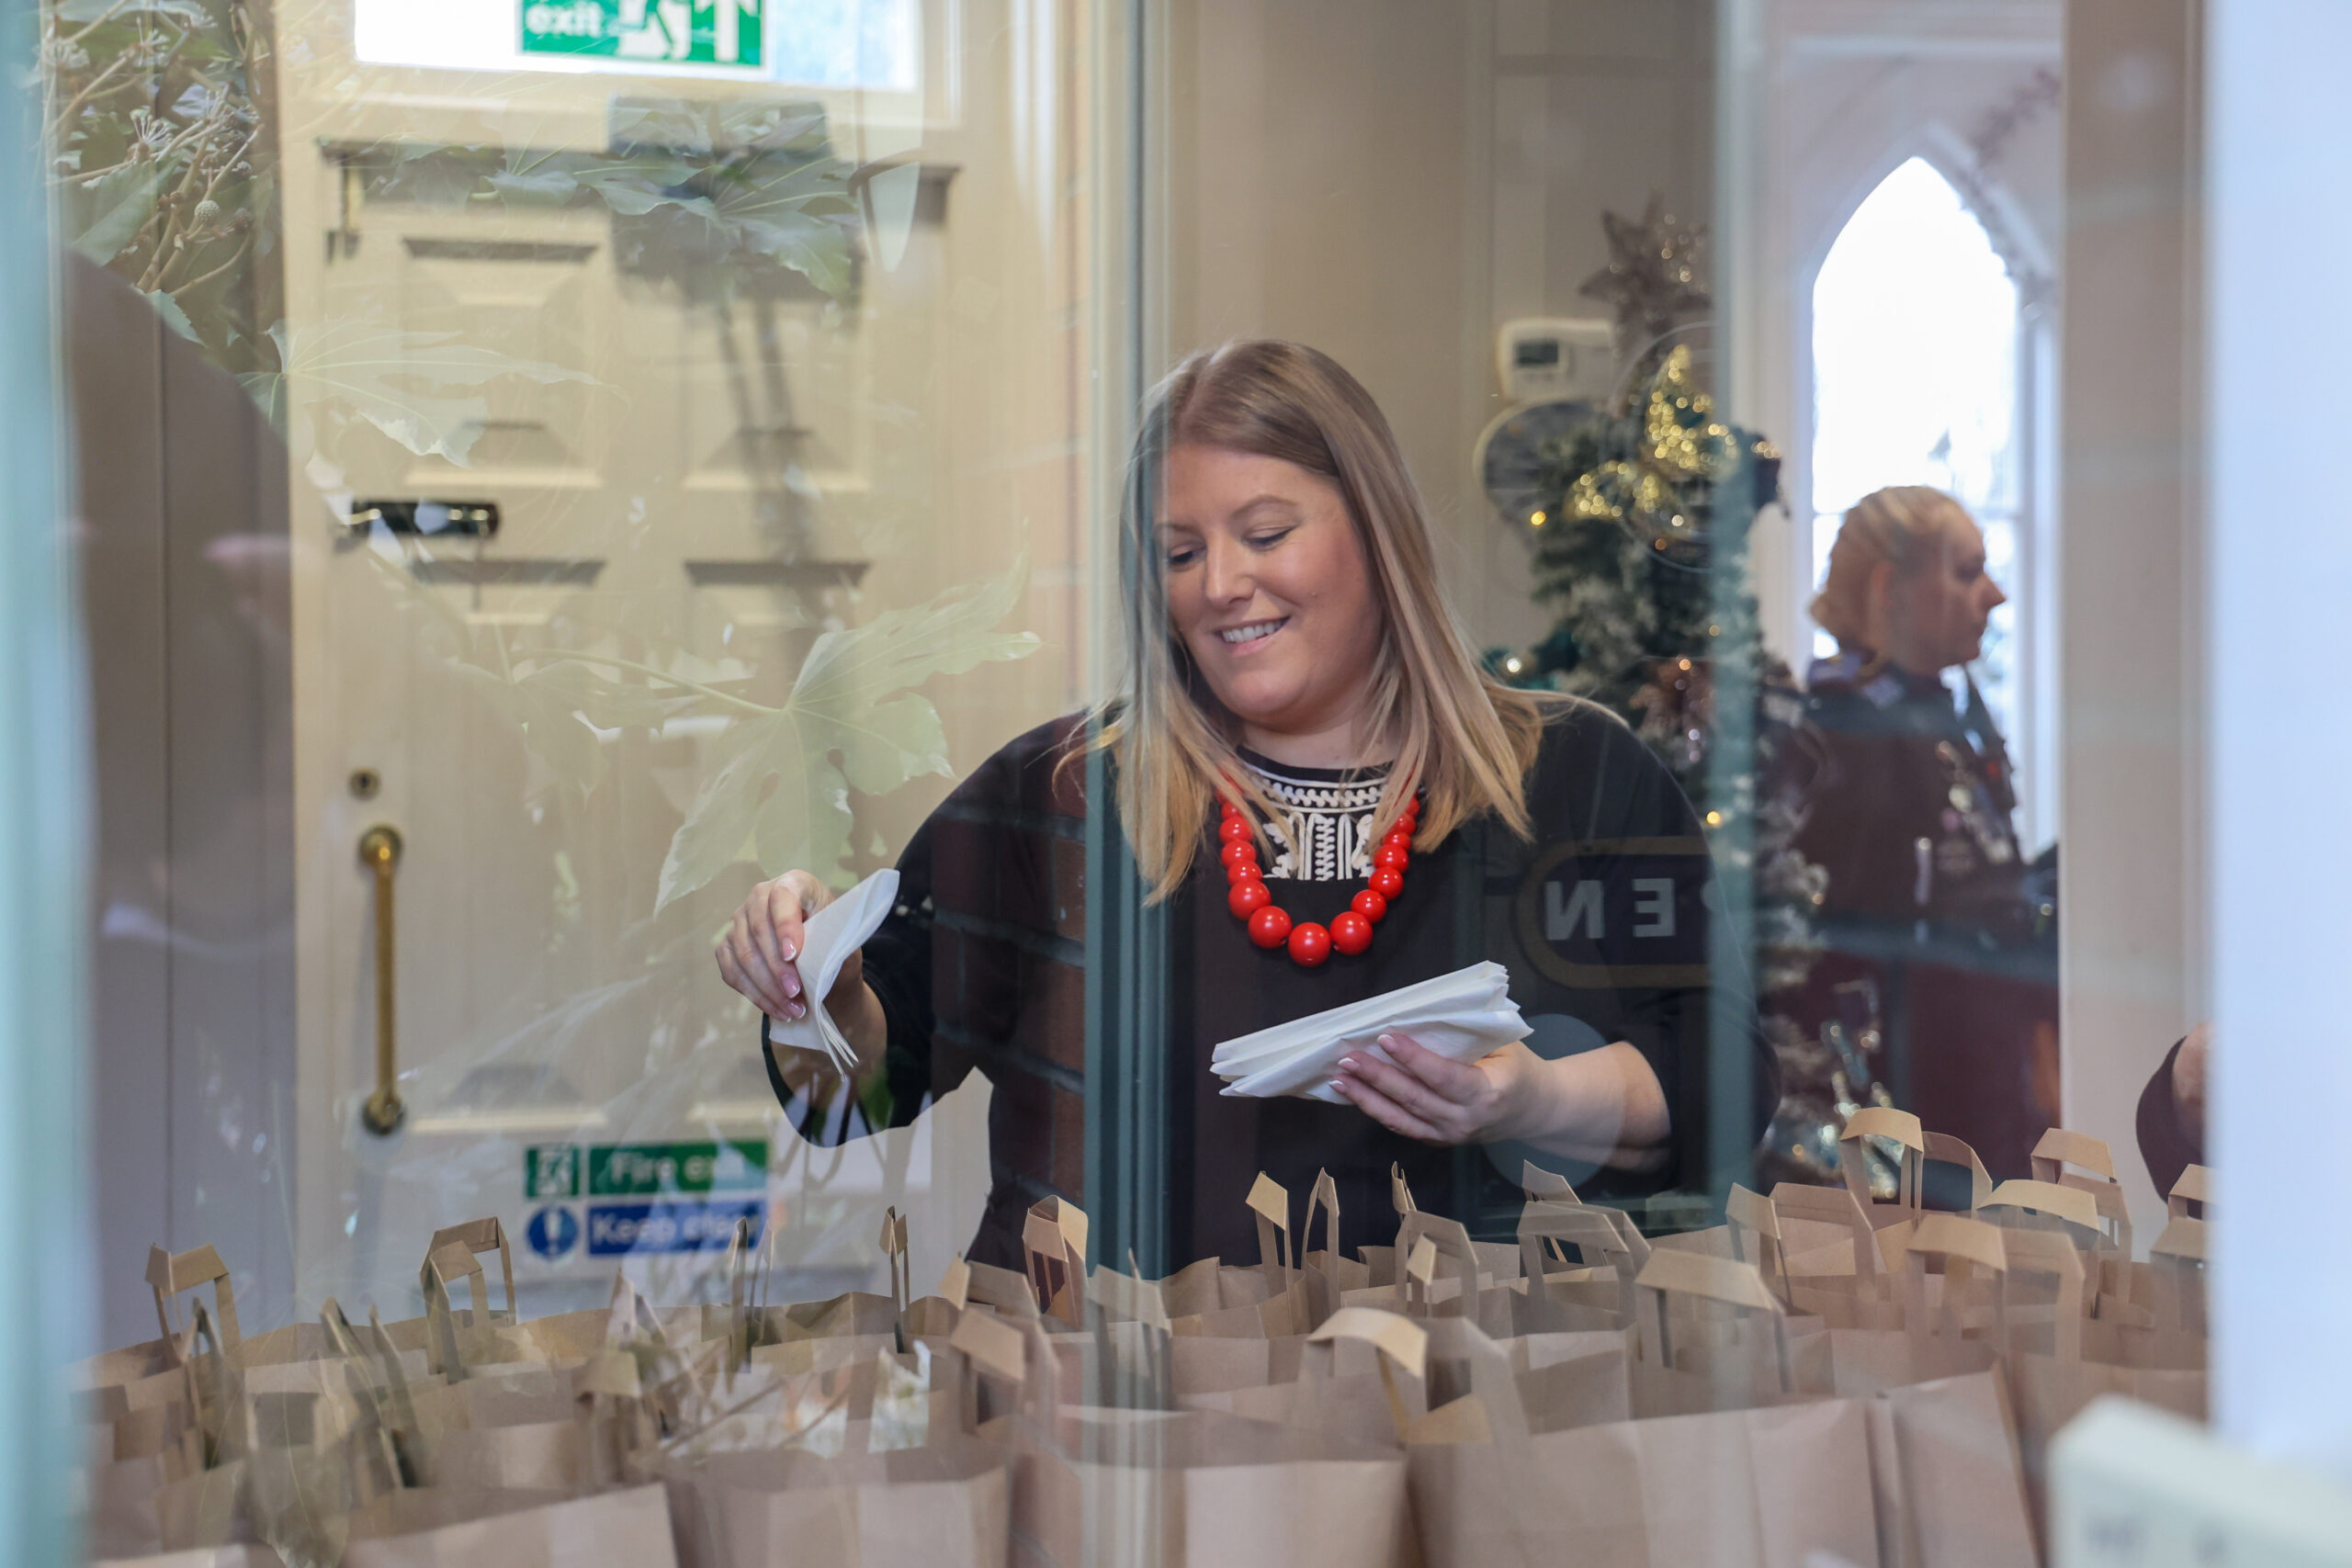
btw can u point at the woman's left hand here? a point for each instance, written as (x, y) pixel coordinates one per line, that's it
(1437, 1101)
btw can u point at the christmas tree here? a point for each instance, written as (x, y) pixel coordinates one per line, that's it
(1638, 541)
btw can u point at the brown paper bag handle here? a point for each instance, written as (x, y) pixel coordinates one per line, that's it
(384, 1392)
(2075, 1211)
(1538, 1185)
(2195, 1185)
(1322, 1198)
(627, 1310)
(1883, 1122)
(2107, 1198)
(1397, 1339)
(740, 1251)
(1399, 1192)
(1449, 1238)
(1754, 1227)
(226, 1430)
(1671, 1271)
(1945, 1149)
(1017, 1351)
(169, 1274)
(1270, 1202)
(441, 1352)
(1837, 1205)
(472, 1237)
(2060, 1147)
(1952, 1236)
(893, 1242)
(1590, 1228)
(1053, 1241)
(2179, 1257)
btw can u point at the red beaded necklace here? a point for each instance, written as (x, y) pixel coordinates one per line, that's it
(1310, 943)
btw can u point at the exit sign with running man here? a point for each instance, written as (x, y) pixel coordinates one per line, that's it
(666, 32)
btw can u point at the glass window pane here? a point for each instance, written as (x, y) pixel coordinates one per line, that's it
(806, 715)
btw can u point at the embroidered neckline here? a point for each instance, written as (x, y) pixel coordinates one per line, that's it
(1322, 831)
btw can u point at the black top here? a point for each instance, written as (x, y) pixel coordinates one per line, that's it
(1898, 764)
(1601, 920)
(2168, 1146)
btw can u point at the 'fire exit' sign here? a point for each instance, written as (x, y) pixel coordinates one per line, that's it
(669, 32)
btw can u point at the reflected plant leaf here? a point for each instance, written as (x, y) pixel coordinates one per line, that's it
(174, 316)
(352, 367)
(553, 731)
(124, 199)
(853, 719)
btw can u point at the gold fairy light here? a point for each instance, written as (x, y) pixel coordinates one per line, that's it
(1680, 434)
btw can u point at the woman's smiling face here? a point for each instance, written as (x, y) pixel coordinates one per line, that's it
(1269, 590)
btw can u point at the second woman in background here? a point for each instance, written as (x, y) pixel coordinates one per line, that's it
(1930, 908)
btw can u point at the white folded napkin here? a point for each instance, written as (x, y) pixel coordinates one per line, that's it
(826, 939)
(1461, 1016)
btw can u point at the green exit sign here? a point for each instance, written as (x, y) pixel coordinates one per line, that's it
(659, 32)
(610, 1170)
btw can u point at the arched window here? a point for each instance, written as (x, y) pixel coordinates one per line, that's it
(1915, 381)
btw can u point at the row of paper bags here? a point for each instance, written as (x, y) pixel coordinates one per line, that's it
(1830, 1377)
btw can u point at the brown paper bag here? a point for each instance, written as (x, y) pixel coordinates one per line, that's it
(1596, 1290)
(1196, 1488)
(1359, 1376)
(2052, 1380)
(465, 1527)
(942, 1505)
(1728, 1348)
(2168, 1332)
(1940, 1312)
(1758, 1488)
(1205, 1489)
(1951, 1494)
(1270, 1300)
(155, 1373)
(1835, 1260)
(2060, 1148)
(196, 1557)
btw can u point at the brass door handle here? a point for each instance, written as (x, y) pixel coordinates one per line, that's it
(379, 852)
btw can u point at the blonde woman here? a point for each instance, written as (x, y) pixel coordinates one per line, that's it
(1909, 811)
(1333, 802)
(1908, 600)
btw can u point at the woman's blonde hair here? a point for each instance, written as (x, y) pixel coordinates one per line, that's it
(1904, 525)
(1459, 735)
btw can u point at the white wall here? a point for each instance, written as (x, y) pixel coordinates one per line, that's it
(2132, 949)
(2278, 246)
(1391, 181)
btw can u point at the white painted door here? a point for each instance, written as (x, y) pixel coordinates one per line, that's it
(737, 366)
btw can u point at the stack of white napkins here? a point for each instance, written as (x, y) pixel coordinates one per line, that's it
(826, 939)
(1463, 1016)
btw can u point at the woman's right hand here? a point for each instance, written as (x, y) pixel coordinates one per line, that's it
(760, 957)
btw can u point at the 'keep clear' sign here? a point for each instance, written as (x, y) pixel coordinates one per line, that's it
(679, 1197)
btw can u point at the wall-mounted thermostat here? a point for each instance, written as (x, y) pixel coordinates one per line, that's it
(1541, 357)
